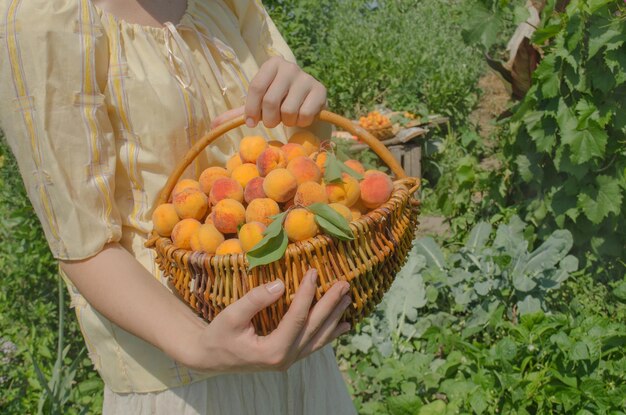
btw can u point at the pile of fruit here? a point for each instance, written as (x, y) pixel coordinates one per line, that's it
(374, 120)
(267, 195)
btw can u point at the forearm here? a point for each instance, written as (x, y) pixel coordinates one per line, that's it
(121, 289)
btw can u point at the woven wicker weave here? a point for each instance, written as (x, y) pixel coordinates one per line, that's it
(209, 283)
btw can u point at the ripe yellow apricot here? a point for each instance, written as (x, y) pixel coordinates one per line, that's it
(306, 139)
(191, 203)
(183, 231)
(300, 225)
(271, 158)
(376, 189)
(251, 147)
(244, 173)
(206, 239)
(229, 247)
(293, 150)
(251, 234)
(233, 162)
(355, 165)
(185, 184)
(228, 214)
(346, 192)
(304, 169)
(309, 193)
(209, 176)
(226, 188)
(261, 210)
(164, 218)
(254, 190)
(280, 185)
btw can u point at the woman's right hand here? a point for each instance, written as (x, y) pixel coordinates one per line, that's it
(230, 344)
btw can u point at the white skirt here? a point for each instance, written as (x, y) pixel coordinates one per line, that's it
(312, 386)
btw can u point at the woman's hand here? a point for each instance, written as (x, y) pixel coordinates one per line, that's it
(280, 92)
(230, 344)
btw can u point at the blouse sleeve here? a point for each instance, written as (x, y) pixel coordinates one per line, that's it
(53, 61)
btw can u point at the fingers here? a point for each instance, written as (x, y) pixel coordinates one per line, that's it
(299, 91)
(294, 320)
(257, 89)
(282, 85)
(243, 310)
(327, 334)
(333, 302)
(227, 116)
(312, 105)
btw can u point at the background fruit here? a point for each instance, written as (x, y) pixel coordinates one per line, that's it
(343, 210)
(293, 150)
(306, 139)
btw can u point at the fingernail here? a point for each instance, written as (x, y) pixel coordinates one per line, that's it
(274, 286)
(250, 122)
(345, 289)
(313, 277)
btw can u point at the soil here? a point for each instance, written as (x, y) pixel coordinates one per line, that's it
(494, 100)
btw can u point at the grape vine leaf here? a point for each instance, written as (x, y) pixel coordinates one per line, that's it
(604, 199)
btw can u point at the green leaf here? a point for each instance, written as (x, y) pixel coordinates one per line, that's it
(350, 171)
(276, 226)
(529, 305)
(546, 33)
(332, 169)
(599, 202)
(428, 248)
(268, 250)
(586, 144)
(484, 27)
(331, 221)
(479, 236)
(620, 291)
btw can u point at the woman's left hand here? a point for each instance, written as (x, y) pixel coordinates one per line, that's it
(280, 92)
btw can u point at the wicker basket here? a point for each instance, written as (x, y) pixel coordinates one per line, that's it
(381, 133)
(209, 283)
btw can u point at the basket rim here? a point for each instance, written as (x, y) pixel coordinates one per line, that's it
(406, 184)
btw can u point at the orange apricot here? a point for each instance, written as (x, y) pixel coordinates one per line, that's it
(293, 150)
(185, 184)
(320, 160)
(228, 214)
(254, 190)
(251, 147)
(209, 176)
(233, 162)
(251, 234)
(309, 193)
(306, 139)
(226, 188)
(355, 165)
(346, 192)
(300, 225)
(229, 247)
(164, 218)
(271, 158)
(275, 143)
(191, 203)
(183, 231)
(280, 185)
(206, 239)
(244, 173)
(343, 210)
(261, 210)
(304, 169)
(375, 189)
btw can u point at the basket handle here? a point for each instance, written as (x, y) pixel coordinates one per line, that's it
(378, 148)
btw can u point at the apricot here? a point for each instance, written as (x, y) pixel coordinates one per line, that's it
(346, 192)
(320, 160)
(209, 218)
(309, 193)
(355, 165)
(300, 225)
(306, 139)
(251, 234)
(164, 219)
(251, 147)
(371, 171)
(206, 239)
(226, 188)
(254, 190)
(191, 203)
(304, 169)
(280, 185)
(228, 214)
(233, 162)
(244, 173)
(261, 210)
(356, 214)
(292, 150)
(185, 184)
(229, 247)
(343, 210)
(275, 143)
(209, 176)
(271, 158)
(375, 189)
(183, 231)
(358, 210)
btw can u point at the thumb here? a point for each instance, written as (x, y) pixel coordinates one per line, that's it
(256, 300)
(227, 116)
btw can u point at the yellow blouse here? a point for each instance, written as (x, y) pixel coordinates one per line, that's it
(98, 112)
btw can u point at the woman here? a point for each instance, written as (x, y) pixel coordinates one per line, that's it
(99, 100)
